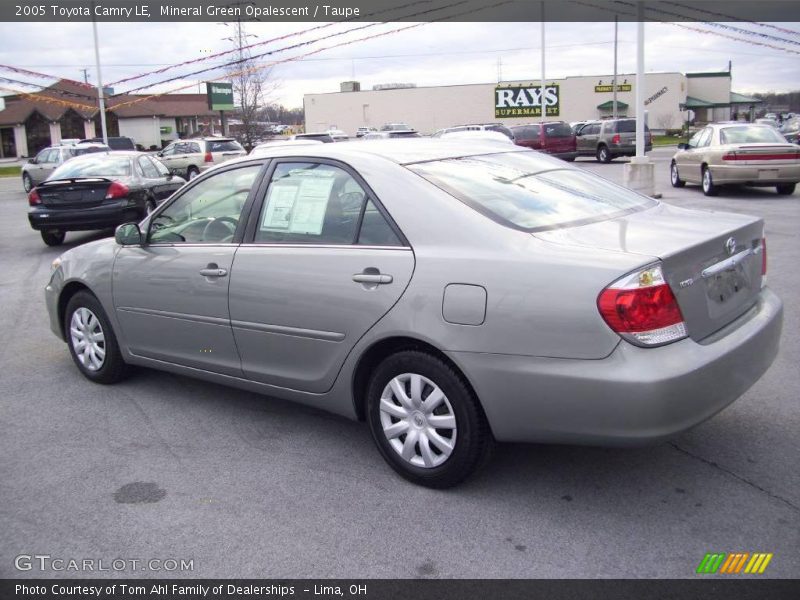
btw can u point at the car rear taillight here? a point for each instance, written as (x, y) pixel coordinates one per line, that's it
(208, 157)
(33, 198)
(116, 190)
(642, 309)
(616, 139)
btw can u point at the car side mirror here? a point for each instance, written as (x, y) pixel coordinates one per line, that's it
(33, 160)
(683, 146)
(128, 234)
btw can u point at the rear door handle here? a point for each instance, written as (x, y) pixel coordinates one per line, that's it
(213, 272)
(375, 278)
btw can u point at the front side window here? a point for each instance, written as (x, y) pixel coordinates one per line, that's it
(695, 140)
(206, 213)
(519, 190)
(163, 171)
(705, 138)
(169, 150)
(148, 168)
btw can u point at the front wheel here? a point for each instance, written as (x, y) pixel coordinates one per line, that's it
(425, 420)
(603, 155)
(709, 189)
(92, 343)
(27, 182)
(785, 189)
(674, 177)
(53, 237)
(192, 172)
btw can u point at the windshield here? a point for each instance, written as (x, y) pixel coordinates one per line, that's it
(520, 190)
(101, 166)
(750, 134)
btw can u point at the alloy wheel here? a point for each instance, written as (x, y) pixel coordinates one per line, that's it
(418, 420)
(88, 339)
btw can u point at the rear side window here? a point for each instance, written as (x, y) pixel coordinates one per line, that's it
(375, 229)
(518, 190)
(628, 126)
(557, 130)
(222, 146)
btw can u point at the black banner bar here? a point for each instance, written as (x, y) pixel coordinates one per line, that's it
(360, 10)
(707, 588)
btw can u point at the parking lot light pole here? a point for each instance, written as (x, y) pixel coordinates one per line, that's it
(544, 102)
(99, 82)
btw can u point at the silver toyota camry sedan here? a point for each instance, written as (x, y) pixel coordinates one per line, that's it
(450, 293)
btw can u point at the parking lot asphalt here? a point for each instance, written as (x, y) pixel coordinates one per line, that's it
(166, 467)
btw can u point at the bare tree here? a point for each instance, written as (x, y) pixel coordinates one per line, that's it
(665, 121)
(252, 88)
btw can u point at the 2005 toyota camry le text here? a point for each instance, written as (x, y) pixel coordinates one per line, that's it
(450, 294)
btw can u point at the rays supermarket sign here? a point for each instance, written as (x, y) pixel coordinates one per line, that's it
(526, 101)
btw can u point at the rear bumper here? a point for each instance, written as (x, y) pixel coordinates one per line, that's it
(626, 150)
(108, 214)
(569, 155)
(633, 396)
(747, 174)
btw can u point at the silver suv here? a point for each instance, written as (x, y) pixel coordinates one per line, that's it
(39, 168)
(188, 158)
(610, 139)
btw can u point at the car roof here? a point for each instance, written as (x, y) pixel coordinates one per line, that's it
(398, 150)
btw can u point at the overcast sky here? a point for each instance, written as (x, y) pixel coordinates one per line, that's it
(431, 54)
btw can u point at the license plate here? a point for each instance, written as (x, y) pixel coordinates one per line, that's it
(768, 173)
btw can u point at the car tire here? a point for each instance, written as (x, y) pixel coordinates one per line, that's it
(440, 457)
(603, 154)
(192, 172)
(27, 182)
(785, 189)
(91, 340)
(709, 189)
(570, 159)
(674, 176)
(53, 237)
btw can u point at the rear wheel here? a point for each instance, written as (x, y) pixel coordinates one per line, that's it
(27, 182)
(91, 340)
(192, 172)
(674, 177)
(786, 189)
(426, 421)
(53, 237)
(603, 155)
(709, 189)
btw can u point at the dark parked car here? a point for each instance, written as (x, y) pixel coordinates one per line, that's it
(610, 139)
(96, 191)
(555, 138)
(115, 143)
(791, 130)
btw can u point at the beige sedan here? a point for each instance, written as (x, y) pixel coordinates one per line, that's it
(737, 153)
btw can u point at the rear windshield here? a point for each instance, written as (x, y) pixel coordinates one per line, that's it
(403, 134)
(102, 166)
(750, 134)
(224, 146)
(502, 129)
(554, 130)
(628, 126)
(88, 150)
(519, 190)
(527, 132)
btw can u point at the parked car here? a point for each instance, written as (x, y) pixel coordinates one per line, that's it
(322, 136)
(337, 135)
(498, 127)
(791, 130)
(362, 131)
(394, 133)
(189, 158)
(610, 139)
(749, 154)
(41, 166)
(768, 121)
(450, 294)
(115, 143)
(476, 134)
(396, 127)
(266, 147)
(552, 137)
(97, 191)
(576, 125)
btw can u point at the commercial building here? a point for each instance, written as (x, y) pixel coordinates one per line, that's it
(66, 109)
(669, 98)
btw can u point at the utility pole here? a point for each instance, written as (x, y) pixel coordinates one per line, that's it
(614, 111)
(99, 81)
(85, 75)
(544, 102)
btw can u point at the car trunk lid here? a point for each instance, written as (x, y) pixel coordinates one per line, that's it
(712, 262)
(762, 154)
(72, 193)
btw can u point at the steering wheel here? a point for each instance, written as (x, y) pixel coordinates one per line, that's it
(220, 229)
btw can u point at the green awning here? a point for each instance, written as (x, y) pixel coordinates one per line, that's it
(742, 99)
(610, 105)
(697, 103)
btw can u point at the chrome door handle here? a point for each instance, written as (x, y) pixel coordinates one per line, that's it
(375, 278)
(213, 272)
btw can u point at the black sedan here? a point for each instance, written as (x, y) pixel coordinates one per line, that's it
(98, 191)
